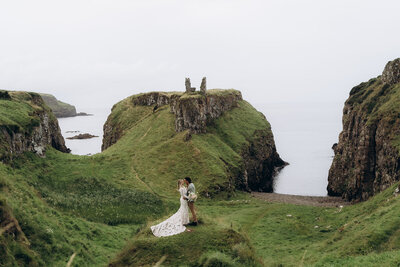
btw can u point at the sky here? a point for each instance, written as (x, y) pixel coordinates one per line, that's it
(95, 53)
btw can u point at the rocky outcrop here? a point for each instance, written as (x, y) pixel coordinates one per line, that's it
(153, 98)
(261, 163)
(391, 73)
(367, 159)
(256, 160)
(192, 111)
(82, 136)
(40, 128)
(203, 86)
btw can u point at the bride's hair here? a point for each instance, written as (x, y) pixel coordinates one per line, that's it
(180, 181)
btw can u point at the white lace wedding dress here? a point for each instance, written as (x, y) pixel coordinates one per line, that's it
(175, 224)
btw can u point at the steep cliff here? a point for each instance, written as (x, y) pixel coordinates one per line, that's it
(367, 157)
(27, 124)
(59, 108)
(223, 139)
(192, 111)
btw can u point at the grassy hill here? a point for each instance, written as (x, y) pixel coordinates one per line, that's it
(101, 207)
(59, 108)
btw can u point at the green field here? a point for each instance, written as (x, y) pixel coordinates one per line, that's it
(101, 207)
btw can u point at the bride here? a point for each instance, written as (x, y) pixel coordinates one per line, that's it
(174, 224)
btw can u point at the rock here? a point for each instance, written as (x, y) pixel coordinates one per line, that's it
(83, 114)
(153, 98)
(366, 159)
(391, 73)
(187, 136)
(4, 95)
(82, 136)
(194, 112)
(261, 163)
(203, 86)
(334, 146)
(42, 131)
(188, 87)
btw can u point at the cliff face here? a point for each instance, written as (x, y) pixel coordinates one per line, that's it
(367, 157)
(60, 109)
(220, 131)
(261, 162)
(192, 111)
(27, 124)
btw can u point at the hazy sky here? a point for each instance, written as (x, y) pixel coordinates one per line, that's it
(273, 51)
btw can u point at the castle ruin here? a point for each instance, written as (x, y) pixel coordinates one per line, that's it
(190, 89)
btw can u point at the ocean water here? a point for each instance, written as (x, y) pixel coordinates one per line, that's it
(85, 124)
(304, 134)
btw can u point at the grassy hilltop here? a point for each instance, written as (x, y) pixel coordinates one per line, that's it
(101, 207)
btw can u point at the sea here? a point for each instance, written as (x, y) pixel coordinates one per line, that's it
(92, 124)
(304, 134)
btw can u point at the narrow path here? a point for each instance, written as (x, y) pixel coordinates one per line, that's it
(140, 180)
(301, 200)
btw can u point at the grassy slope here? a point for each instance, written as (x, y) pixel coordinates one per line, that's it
(93, 205)
(18, 113)
(366, 234)
(271, 234)
(67, 203)
(156, 150)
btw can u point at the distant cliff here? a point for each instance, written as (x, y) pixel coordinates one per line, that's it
(367, 157)
(27, 124)
(59, 108)
(249, 162)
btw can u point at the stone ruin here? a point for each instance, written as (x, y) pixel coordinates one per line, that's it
(391, 73)
(203, 86)
(190, 89)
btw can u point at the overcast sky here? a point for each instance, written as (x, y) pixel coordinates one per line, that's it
(273, 51)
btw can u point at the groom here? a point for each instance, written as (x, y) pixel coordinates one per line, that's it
(191, 189)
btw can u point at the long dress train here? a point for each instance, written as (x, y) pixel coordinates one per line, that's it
(174, 224)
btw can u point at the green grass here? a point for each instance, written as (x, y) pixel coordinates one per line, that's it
(273, 234)
(207, 242)
(156, 150)
(106, 197)
(367, 233)
(18, 113)
(101, 207)
(54, 235)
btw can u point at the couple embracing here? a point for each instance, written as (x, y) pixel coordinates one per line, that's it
(176, 224)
